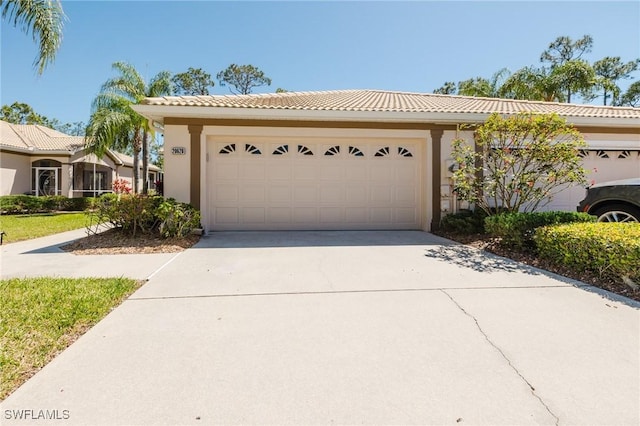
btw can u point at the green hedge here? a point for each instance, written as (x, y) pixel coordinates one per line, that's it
(516, 230)
(18, 204)
(612, 250)
(464, 222)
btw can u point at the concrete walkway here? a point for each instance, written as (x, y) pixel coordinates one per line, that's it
(347, 328)
(44, 257)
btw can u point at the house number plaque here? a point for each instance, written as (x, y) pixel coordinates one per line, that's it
(178, 150)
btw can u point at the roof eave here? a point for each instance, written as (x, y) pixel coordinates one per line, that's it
(158, 113)
(34, 151)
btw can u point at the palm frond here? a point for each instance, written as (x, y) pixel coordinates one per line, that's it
(43, 19)
(108, 129)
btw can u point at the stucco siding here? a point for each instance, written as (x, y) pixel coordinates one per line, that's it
(176, 167)
(15, 174)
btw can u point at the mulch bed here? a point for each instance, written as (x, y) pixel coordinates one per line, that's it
(491, 245)
(114, 241)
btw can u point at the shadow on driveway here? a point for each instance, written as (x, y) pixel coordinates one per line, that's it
(281, 239)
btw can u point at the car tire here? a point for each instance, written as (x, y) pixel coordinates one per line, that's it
(617, 213)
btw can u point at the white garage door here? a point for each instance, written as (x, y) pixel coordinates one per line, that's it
(306, 185)
(602, 166)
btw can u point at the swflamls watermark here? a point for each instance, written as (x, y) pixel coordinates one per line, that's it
(31, 414)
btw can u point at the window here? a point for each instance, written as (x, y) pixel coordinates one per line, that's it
(404, 152)
(252, 149)
(304, 150)
(228, 149)
(281, 150)
(334, 150)
(382, 152)
(45, 177)
(355, 151)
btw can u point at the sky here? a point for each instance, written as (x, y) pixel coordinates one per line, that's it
(412, 46)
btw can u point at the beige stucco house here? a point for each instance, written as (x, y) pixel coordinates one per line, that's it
(349, 159)
(38, 160)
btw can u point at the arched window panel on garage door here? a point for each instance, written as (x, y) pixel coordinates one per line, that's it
(281, 150)
(228, 149)
(355, 151)
(382, 152)
(304, 150)
(334, 150)
(252, 149)
(404, 152)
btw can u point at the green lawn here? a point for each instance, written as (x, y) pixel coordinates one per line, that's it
(42, 316)
(26, 227)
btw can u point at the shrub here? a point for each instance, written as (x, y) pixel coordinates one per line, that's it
(515, 230)
(77, 204)
(177, 219)
(17, 204)
(611, 250)
(465, 222)
(133, 213)
(518, 162)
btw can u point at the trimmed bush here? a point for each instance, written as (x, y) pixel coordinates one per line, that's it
(77, 204)
(611, 250)
(515, 230)
(19, 204)
(464, 222)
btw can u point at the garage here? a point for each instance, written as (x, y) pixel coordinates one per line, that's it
(350, 159)
(313, 184)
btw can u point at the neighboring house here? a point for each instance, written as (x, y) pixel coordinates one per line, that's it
(349, 159)
(41, 161)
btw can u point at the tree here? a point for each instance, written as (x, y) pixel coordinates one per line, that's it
(483, 87)
(563, 50)
(575, 76)
(632, 96)
(43, 19)
(281, 90)
(568, 71)
(533, 84)
(114, 123)
(448, 88)
(477, 86)
(518, 163)
(243, 78)
(21, 113)
(77, 128)
(192, 82)
(609, 70)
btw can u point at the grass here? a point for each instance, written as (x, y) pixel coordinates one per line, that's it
(26, 227)
(40, 317)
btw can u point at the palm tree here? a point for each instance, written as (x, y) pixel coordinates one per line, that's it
(114, 124)
(42, 18)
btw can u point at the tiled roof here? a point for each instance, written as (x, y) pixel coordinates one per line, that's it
(386, 101)
(37, 138)
(128, 160)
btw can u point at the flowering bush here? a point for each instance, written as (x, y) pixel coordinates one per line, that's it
(121, 186)
(518, 163)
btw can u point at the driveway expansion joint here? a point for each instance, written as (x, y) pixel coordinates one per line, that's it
(496, 347)
(310, 293)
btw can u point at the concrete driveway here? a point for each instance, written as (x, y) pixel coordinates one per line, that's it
(347, 328)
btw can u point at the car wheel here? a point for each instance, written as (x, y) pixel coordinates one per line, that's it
(618, 213)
